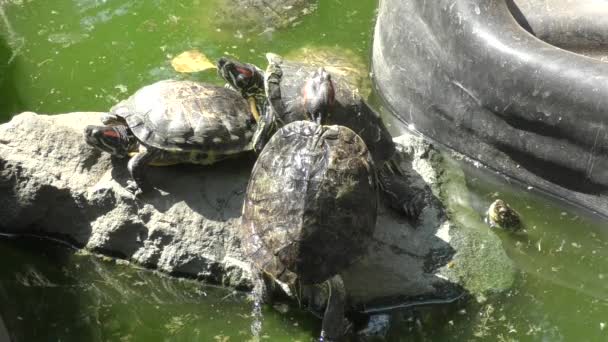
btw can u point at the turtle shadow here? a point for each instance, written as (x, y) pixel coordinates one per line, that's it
(406, 264)
(214, 191)
(402, 277)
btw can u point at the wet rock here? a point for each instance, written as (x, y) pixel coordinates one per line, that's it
(52, 183)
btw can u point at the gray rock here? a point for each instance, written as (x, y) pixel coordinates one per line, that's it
(52, 183)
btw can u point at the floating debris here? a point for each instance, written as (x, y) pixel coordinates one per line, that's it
(121, 87)
(221, 338)
(66, 39)
(191, 61)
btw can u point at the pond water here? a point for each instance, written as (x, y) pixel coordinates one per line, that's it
(66, 55)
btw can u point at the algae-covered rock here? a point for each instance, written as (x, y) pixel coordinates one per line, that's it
(480, 264)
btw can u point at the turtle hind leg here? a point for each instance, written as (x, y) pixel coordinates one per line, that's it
(400, 193)
(137, 168)
(333, 327)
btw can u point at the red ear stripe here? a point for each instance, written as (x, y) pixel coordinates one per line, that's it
(244, 71)
(111, 134)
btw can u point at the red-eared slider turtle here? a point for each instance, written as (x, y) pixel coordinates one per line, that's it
(171, 122)
(310, 210)
(501, 215)
(288, 83)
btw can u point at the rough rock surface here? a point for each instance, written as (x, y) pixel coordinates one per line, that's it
(52, 183)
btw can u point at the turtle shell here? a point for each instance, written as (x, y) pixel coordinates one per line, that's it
(188, 116)
(349, 109)
(311, 203)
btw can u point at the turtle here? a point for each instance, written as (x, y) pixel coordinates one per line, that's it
(501, 215)
(310, 211)
(286, 85)
(171, 122)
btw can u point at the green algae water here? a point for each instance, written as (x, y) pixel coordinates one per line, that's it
(55, 294)
(85, 55)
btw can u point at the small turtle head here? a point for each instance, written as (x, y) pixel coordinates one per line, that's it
(500, 214)
(318, 94)
(111, 139)
(246, 78)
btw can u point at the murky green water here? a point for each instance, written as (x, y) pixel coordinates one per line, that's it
(68, 55)
(50, 293)
(87, 54)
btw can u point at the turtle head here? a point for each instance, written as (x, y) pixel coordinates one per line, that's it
(246, 78)
(318, 94)
(115, 140)
(500, 214)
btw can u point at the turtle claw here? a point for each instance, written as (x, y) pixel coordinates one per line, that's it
(133, 188)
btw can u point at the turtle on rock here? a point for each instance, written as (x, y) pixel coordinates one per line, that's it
(287, 85)
(310, 211)
(171, 122)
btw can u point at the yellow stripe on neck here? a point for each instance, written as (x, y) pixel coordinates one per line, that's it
(254, 108)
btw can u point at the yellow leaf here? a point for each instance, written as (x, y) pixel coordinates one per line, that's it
(191, 61)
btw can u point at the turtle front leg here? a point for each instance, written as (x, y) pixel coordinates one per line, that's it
(137, 166)
(265, 129)
(332, 328)
(399, 192)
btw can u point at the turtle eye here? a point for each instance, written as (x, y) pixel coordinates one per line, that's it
(242, 81)
(244, 72)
